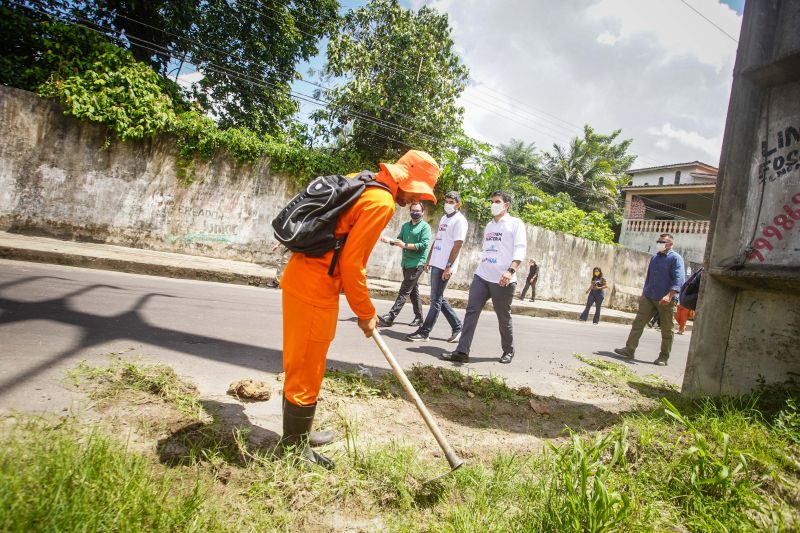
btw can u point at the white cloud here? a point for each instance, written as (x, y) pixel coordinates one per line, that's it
(608, 38)
(711, 146)
(541, 69)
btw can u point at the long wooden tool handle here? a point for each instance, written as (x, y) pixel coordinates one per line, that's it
(452, 458)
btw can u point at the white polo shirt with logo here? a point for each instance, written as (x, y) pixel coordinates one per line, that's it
(503, 242)
(451, 229)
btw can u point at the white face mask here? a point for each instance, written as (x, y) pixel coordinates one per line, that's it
(498, 208)
(449, 208)
(661, 246)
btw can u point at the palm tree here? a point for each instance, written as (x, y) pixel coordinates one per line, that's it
(591, 170)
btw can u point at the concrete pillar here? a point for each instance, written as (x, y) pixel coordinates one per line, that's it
(748, 320)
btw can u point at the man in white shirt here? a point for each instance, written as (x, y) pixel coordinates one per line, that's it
(442, 263)
(504, 248)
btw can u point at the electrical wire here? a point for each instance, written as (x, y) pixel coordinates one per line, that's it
(319, 102)
(731, 37)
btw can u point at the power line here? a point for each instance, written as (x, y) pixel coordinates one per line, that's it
(731, 37)
(322, 103)
(250, 5)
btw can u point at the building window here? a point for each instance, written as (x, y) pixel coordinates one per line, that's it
(677, 177)
(661, 180)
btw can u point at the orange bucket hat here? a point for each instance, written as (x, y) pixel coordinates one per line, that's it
(416, 172)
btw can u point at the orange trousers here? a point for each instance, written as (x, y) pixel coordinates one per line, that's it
(307, 334)
(681, 316)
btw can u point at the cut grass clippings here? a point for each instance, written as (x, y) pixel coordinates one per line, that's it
(122, 377)
(425, 379)
(712, 465)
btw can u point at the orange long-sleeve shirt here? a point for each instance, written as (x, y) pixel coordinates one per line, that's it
(307, 278)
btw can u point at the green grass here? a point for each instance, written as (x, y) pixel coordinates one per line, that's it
(428, 379)
(710, 465)
(120, 377)
(55, 479)
(354, 385)
(625, 382)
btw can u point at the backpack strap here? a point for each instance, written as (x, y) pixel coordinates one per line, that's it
(337, 250)
(368, 177)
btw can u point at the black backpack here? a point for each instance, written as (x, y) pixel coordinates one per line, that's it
(308, 222)
(691, 290)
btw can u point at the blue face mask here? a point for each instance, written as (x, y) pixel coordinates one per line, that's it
(416, 216)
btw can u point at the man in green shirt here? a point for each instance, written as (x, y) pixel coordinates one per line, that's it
(414, 239)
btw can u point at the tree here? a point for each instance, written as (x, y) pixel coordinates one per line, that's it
(591, 170)
(559, 213)
(246, 50)
(521, 158)
(403, 79)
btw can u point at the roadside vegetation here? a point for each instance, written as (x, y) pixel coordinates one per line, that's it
(117, 63)
(707, 465)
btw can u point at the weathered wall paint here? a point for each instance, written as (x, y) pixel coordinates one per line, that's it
(748, 323)
(57, 178)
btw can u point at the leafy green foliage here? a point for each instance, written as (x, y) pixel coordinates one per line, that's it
(128, 98)
(269, 37)
(559, 213)
(581, 495)
(34, 50)
(247, 51)
(400, 69)
(99, 82)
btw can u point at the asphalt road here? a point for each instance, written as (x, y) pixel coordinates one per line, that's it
(52, 317)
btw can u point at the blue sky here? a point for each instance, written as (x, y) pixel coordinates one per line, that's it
(541, 69)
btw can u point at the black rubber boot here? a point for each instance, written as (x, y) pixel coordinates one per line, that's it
(317, 438)
(297, 421)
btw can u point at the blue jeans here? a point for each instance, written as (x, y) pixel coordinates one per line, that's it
(596, 298)
(438, 303)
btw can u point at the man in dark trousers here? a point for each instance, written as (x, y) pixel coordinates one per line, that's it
(414, 239)
(530, 281)
(442, 263)
(504, 245)
(663, 283)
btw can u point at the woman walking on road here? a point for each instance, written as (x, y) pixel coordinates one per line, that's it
(596, 295)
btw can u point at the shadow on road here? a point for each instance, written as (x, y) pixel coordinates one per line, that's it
(96, 330)
(616, 357)
(128, 325)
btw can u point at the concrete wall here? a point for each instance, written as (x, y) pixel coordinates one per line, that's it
(748, 324)
(691, 246)
(57, 178)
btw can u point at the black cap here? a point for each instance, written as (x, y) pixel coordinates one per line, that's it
(454, 195)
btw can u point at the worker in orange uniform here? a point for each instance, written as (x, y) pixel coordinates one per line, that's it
(311, 295)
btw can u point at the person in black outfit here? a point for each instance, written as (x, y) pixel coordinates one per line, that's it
(596, 295)
(530, 280)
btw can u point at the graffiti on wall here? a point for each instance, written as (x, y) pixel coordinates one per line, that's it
(780, 154)
(782, 223)
(203, 224)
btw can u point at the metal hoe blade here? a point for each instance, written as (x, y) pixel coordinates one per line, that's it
(452, 458)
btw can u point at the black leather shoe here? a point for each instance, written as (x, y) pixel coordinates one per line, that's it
(417, 322)
(385, 321)
(506, 357)
(456, 357)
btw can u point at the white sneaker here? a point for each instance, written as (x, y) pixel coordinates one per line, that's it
(455, 336)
